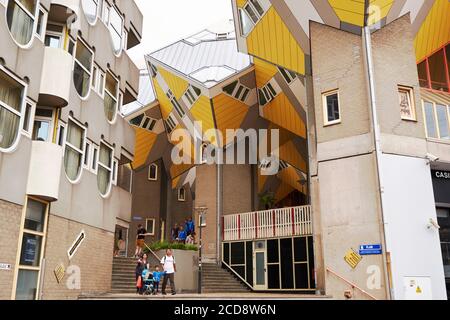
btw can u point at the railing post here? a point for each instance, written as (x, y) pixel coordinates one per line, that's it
(293, 221)
(273, 222)
(239, 226)
(256, 225)
(223, 228)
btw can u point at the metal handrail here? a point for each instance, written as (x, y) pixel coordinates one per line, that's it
(351, 284)
(152, 252)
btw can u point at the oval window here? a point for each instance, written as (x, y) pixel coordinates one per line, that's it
(11, 100)
(20, 16)
(90, 8)
(82, 69)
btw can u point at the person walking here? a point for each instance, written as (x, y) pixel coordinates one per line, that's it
(140, 266)
(140, 240)
(169, 267)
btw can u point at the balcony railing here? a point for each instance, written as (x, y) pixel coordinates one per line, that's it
(285, 222)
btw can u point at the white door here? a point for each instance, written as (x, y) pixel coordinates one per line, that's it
(259, 265)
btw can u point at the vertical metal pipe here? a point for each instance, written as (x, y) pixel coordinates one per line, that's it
(219, 211)
(377, 141)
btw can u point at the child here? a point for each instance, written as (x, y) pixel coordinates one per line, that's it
(181, 235)
(145, 274)
(190, 238)
(156, 278)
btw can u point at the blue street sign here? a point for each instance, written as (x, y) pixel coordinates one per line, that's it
(367, 249)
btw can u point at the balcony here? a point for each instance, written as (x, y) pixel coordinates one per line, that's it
(274, 223)
(56, 78)
(67, 7)
(45, 170)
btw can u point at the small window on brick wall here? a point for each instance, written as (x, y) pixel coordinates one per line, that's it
(406, 103)
(331, 108)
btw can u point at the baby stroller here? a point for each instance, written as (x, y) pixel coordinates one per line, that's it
(148, 284)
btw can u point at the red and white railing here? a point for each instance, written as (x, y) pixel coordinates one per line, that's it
(285, 222)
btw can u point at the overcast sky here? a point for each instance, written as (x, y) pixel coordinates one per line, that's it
(167, 21)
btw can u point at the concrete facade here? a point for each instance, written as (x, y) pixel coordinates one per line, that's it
(37, 168)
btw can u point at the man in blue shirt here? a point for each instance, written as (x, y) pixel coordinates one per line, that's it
(182, 235)
(190, 226)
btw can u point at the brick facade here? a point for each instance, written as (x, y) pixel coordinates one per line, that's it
(10, 217)
(94, 257)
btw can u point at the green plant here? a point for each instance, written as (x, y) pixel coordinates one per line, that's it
(267, 199)
(156, 246)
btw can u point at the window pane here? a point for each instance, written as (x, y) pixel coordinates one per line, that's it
(72, 163)
(41, 130)
(9, 127)
(83, 55)
(262, 98)
(90, 9)
(35, 215)
(423, 75)
(103, 180)
(11, 91)
(30, 254)
(429, 118)
(40, 23)
(81, 80)
(257, 7)
(447, 49)
(30, 5)
(26, 120)
(52, 41)
(272, 251)
(230, 88)
(137, 120)
(27, 285)
(437, 71)
(442, 121)
(110, 107)
(105, 155)
(251, 13)
(300, 254)
(287, 279)
(301, 276)
(124, 177)
(20, 23)
(333, 107)
(237, 253)
(246, 23)
(75, 135)
(111, 84)
(273, 276)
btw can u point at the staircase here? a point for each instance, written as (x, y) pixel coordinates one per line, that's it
(218, 280)
(123, 275)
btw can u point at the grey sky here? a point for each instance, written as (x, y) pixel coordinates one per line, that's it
(167, 21)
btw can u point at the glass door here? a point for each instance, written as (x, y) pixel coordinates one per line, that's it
(259, 266)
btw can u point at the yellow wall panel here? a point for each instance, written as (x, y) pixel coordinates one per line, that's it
(164, 102)
(201, 110)
(291, 177)
(175, 83)
(241, 3)
(350, 11)
(289, 153)
(435, 31)
(264, 71)
(281, 112)
(229, 113)
(144, 141)
(270, 40)
(283, 191)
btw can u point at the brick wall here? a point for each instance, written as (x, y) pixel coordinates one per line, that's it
(337, 62)
(94, 257)
(10, 217)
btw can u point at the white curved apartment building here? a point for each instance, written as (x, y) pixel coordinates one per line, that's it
(65, 151)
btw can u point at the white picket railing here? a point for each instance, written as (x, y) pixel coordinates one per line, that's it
(285, 222)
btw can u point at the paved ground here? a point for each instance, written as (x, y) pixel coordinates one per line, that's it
(206, 296)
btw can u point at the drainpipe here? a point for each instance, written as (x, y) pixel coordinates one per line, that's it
(219, 212)
(378, 152)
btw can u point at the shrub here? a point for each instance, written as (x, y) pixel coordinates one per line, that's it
(156, 246)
